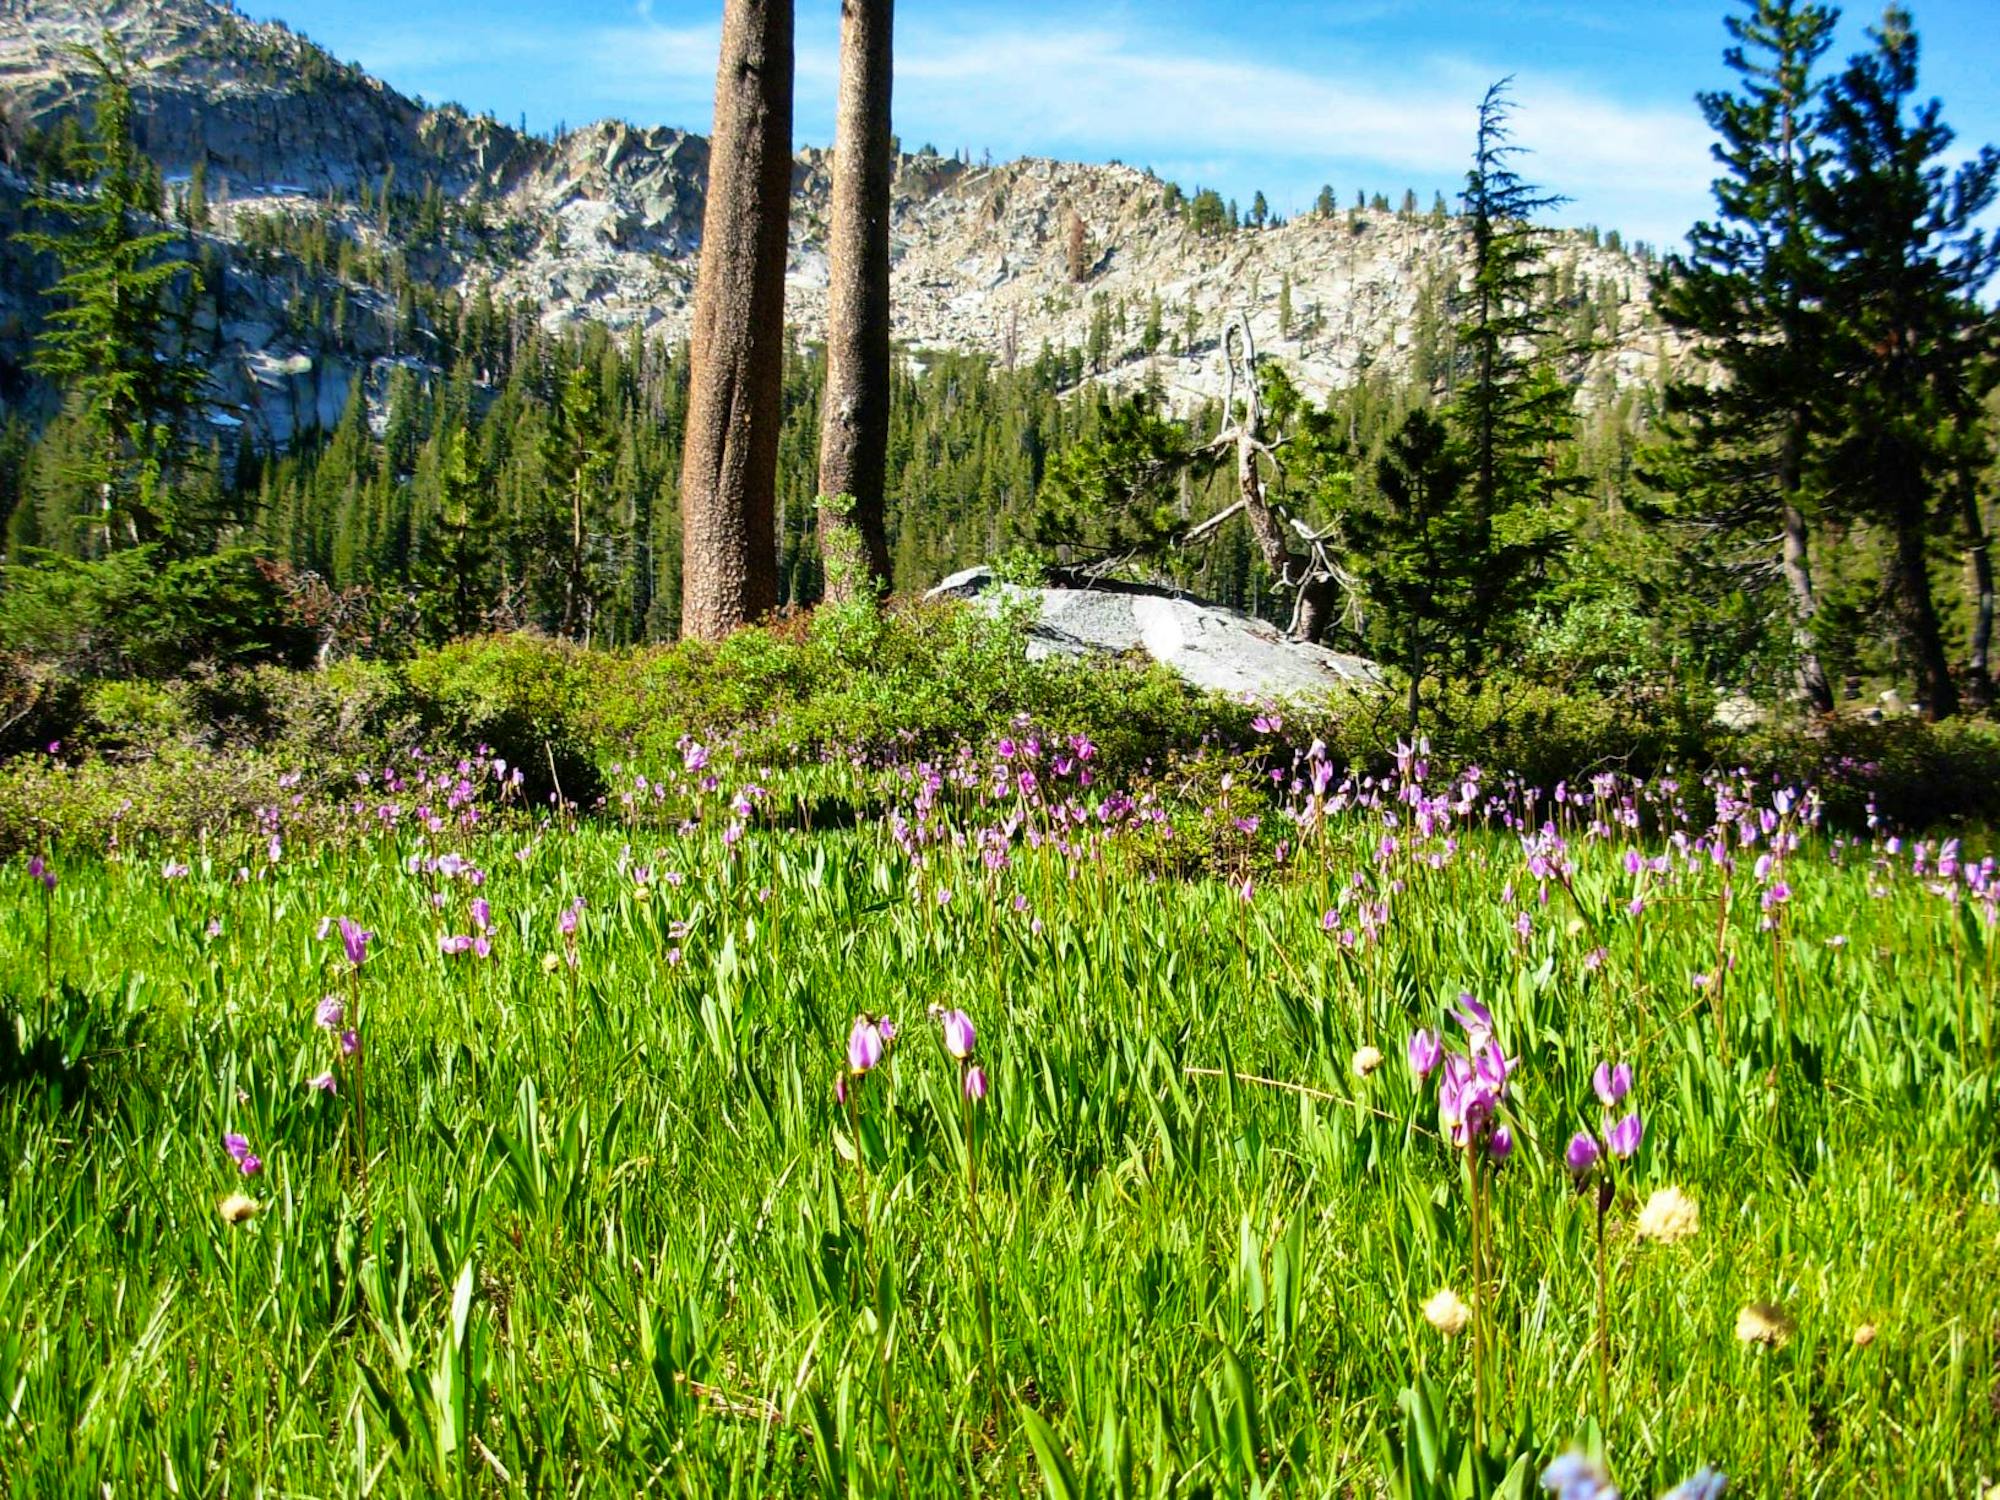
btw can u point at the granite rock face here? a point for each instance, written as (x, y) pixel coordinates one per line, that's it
(1211, 646)
(603, 225)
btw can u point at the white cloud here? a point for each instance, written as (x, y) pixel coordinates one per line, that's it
(1118, 86)
(1098, 90)
(627, 59)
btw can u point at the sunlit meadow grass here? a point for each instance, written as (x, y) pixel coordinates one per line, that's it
(611, 1235)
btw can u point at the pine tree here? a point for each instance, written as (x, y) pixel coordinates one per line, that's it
(1736, 447)
(1419, 552)
(1910, 352)
(1076, 247)
(577, 461)
(1097, 340)
(194, 202)
(1507, 415)
(108, 342)
(455, 587)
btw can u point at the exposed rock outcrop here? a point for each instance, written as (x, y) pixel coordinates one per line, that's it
(1211, 646)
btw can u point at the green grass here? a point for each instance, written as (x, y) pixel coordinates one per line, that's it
(613, 1238)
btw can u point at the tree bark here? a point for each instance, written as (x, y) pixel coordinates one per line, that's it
(1978, 676)
(1798, 583)
(854, 416)
(1319, 598)
(1792, 445)
(1798, 570)
(736, 361)
(1910, 589)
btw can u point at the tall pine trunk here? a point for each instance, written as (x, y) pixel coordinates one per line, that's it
(854, 417)
(1979, 559)
(1916, 611)
(736, 360)
(1798, 570)
(1792, 446)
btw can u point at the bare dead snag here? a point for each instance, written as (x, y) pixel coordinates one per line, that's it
(1305, 570)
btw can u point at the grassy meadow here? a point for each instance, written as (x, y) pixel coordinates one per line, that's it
(570, 1184)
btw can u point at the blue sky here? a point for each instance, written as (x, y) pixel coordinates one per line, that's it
(1277, 95)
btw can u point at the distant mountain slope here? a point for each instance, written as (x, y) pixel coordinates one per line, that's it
(604, 225)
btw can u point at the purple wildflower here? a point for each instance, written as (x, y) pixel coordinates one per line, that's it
(1425, 1049)
(864, 1045)
(1475, 1020)
(355, 941)
(958, 1034)
(1583, 1153)
(1703, 1484)
(1611, 1084)
(1574, 1477)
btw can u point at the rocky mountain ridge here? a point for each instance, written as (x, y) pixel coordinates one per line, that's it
(603, 224)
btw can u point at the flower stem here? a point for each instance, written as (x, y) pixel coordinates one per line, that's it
(1478, 1303)
(860, 1164)
(48, 941)
(1603, 1319)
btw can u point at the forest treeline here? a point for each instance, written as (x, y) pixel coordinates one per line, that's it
(1801, 510)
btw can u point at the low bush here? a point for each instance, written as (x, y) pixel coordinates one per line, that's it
(1902, 772)
(140, 613)
(859, 681)
(870, 685)
(127, 715)
(526, 698)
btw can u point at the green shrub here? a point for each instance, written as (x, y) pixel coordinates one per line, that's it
(1909, 773)
(39, 705)
(1536, 731)
(914, 679)
(139, 613)
(524, 697)
(180, 795)
(131, 715)
(346, 714)
(906, 681)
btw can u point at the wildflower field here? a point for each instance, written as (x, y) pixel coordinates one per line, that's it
(977, 1126)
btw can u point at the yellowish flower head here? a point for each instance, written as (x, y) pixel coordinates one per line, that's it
(1447, 1313)
(1669, 1217)
(1764, 1323)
